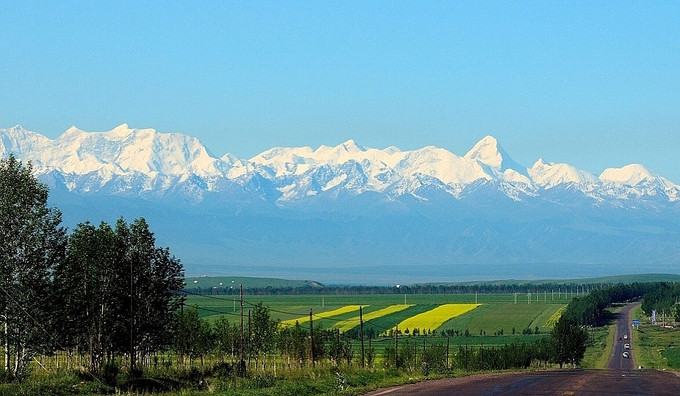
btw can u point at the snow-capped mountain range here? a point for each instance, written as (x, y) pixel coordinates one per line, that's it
(362, 215)
(144, 162)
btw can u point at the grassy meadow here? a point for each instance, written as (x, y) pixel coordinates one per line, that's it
(495, 319)
(655, 347)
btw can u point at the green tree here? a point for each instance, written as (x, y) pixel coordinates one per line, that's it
(88, 290)
(33, 242)
(187, 334)
(263, 333)
(116, 293)
(569, 342)
(155, 282)
(226, 338)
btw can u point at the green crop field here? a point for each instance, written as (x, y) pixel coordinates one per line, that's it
(493, 317)
(496, 311)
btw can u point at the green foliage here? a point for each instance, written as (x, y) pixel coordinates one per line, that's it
(672, 355)
(568, 342)
(599, 346)
(33, 243)
(116, 290)
(435, 360)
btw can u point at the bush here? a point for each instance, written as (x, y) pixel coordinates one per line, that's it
(109, 372)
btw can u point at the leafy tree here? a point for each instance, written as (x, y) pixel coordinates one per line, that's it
(293, 344)
(187, 333)
(434, 359)
(263, 332)
(116, 292)
(155, 280)
(226, 337)
(569, 342)
(88, 289)
(335, 348)
(32, 244)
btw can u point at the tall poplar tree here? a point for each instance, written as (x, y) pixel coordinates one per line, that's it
(32, 243)
(155, 279)
(88, 290)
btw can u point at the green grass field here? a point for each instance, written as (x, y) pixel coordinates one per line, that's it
(493, 317)
(496, 312)
(655, 347)
(601, 339)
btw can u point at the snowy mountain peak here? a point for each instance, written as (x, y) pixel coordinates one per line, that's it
(73, 130)
(18, 140)
(630, 174)
(352, 147)
(548, 175)
(122, 128)
(492, 156)
(144, 161)
(487, 152)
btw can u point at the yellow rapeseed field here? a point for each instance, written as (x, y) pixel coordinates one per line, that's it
(351, 323)
(554, 317)
(327, 314)
(436, 317)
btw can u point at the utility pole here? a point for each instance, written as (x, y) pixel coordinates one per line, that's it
(242, 365)
(132, 321)
(311, 337)
(448, 345)
(466, 357)
(396, 346)
(361, 332)
(250, 338)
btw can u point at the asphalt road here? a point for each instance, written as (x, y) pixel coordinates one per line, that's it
(621, 378)
(622, 337)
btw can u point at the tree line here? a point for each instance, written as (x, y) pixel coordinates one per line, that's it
(590, 310)
(567, 290)
(102, 292)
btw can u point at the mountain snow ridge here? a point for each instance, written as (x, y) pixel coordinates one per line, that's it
(144, 162)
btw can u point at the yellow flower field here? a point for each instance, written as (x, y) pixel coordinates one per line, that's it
(327, 314)
(436, 317)
(555, 317)
(351, 323)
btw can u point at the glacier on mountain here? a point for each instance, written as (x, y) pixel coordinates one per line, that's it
(361, 213)
(148, 163)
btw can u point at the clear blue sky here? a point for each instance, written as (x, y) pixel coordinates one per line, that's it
(595, 83)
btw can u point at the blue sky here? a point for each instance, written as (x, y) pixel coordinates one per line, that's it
(594, 84)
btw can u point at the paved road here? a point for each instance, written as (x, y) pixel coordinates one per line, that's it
(619, 379)
(622, 337)
(562, 382)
